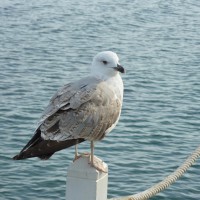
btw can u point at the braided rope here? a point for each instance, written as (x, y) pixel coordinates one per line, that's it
(166, 182)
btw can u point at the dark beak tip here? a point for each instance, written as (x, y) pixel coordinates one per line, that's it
(123, 71)
(120, 69)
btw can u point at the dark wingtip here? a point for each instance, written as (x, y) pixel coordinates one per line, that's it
(18, 157)
(46, 156)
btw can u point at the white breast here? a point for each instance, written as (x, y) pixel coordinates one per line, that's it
(116, 84)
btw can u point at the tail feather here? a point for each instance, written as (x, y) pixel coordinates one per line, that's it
(44, 149)
(34, 140)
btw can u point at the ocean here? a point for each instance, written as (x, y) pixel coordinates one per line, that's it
(45, 44)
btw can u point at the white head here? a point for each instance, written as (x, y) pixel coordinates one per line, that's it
(106, 64)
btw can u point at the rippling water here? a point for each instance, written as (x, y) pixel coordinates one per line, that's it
(44, 44)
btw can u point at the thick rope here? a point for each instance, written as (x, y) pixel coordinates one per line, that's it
(166, 182)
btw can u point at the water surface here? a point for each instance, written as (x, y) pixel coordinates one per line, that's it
(45, 44)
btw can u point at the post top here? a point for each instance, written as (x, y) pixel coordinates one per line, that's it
(81, 168)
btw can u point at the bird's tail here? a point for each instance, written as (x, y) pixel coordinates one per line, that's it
(44, 149)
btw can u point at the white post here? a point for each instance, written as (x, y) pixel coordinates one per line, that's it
(85, 182)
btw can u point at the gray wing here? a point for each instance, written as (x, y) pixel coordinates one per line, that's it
(84, 109)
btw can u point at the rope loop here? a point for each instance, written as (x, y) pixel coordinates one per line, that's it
(152, 191)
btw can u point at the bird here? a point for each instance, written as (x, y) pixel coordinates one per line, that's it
(82, 110)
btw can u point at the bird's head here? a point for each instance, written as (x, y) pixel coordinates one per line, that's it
(106, 64)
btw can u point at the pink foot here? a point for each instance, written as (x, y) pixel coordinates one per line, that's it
(98, 165)
(86, 154)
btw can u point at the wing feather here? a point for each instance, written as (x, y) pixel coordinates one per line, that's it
(88, 112)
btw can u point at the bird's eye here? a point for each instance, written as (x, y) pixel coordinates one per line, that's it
(105, 62)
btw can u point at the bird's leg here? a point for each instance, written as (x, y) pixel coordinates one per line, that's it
(76, 157)
(92, 153)
(95, 162)
(76, 150)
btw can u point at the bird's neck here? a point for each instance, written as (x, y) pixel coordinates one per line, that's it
(105, 77)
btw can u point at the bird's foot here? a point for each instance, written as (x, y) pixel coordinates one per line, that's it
(81, 155)
(98, 165)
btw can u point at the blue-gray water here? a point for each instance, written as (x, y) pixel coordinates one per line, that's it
(46, 43)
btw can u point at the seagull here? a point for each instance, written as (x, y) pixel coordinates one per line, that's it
(86, 109)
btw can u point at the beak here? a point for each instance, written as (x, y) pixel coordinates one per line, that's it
(119, 68)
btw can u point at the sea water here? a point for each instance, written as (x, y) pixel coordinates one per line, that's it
(47, 43)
